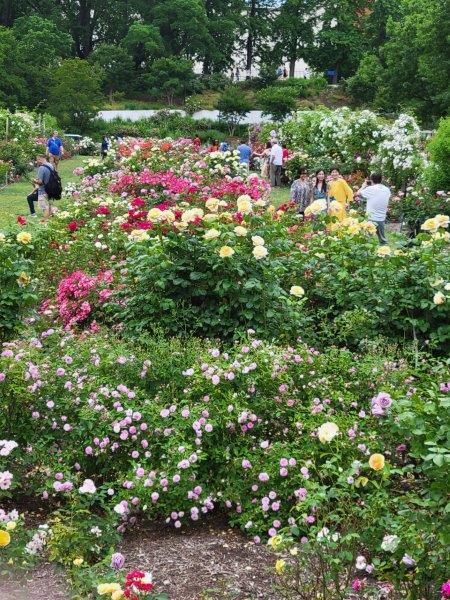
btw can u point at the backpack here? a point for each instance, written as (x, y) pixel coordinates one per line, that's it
(53, 188)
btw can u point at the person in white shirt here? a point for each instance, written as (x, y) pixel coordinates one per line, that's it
(377, 196)
(276, 163)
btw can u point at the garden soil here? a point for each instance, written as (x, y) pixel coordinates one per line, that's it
(209, 561)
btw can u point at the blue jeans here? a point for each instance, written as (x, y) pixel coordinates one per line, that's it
(380, 232)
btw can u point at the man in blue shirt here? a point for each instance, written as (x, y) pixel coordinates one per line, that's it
(244, 153)
(55, 149)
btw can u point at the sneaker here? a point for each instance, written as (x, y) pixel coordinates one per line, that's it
(33, 216)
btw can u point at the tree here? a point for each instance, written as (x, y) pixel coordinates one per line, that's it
(224, 17)
(183, 25)
(294, 30)
(258, 25)
(339, 42)
(38, 38)
(75, 94)
(117, 66)
(277, 101)
(170, 78)
(13, 87)
(233, 105)
(144, 43)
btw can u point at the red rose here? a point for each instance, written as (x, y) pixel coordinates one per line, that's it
(72, 226)
(21, 220)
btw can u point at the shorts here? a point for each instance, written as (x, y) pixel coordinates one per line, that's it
(54, 159)
(44, 203)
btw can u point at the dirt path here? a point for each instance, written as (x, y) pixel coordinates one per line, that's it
(206, 562)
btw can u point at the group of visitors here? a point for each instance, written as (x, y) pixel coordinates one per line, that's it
(305, 190)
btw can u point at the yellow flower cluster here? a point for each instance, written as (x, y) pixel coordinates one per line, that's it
(5, 538)
(433, 224)
(352, 226)
(24, 237)
(109, 588)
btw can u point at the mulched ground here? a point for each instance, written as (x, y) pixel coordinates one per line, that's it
(206, 562)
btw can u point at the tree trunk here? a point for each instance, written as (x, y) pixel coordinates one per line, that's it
(6, 17)
(292, 67)
(250, 37)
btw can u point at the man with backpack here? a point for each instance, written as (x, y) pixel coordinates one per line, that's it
(55, 149)
(49, 186)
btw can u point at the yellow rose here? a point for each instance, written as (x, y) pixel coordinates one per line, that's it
(430, 225)
(327, 431)
(5, 538)
(226, 217)
(192, 214)
(210, 217)
(23, 279)
(108, 588)
(439, 298)
(297, 290)
(244, 204)
(211, 234)
(226, 252)
(118, 595)
(260, 252)
(212, 204)
(315, 207)
(154, 214)
(11, 526)
(384, 251)
(442, 220)
(257, 240)
(78, 562)
(271, 209)
(274, 541)
(24, 237)
(168, 215)
(280, 565)
(240, 231)
(353, 229)
(376, 462)
(138, 235)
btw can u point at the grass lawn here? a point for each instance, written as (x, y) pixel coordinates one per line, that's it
(13, 198)
(279, 195)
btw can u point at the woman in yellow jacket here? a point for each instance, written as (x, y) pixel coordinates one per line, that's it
(338, 189)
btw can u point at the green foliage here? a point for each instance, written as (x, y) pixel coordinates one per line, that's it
(233, 106)
(277, 102)
(437, 175)
(76, 92)
(182, 284)
(116, 64)
(169, 78)
(17, 291)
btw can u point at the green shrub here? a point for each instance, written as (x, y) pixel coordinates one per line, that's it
(277, 101)
(437, 175)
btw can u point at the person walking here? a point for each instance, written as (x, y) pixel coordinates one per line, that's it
(55, 149)
(197, 142)
(302, 191)
(377, 196)
(276, 164)
(245, 153)
(285, 73)
(224, 146)
(105, 146)
(320, 185)
(214, 146)
(45, 171)
(265, 160)
(339, 190)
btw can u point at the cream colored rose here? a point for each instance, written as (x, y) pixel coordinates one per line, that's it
(226, 252)
(212, 204)
(240, 231)
(327, 432)
(138, 235)
(211, 234)
(257, 240)
(297, 290)
(439, 298)
(260, 252)
(154, 214)
(430, 225)
(244, 204)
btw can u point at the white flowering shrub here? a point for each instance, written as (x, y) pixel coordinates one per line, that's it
(87, 147)
(399, 155)
(222, 163)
